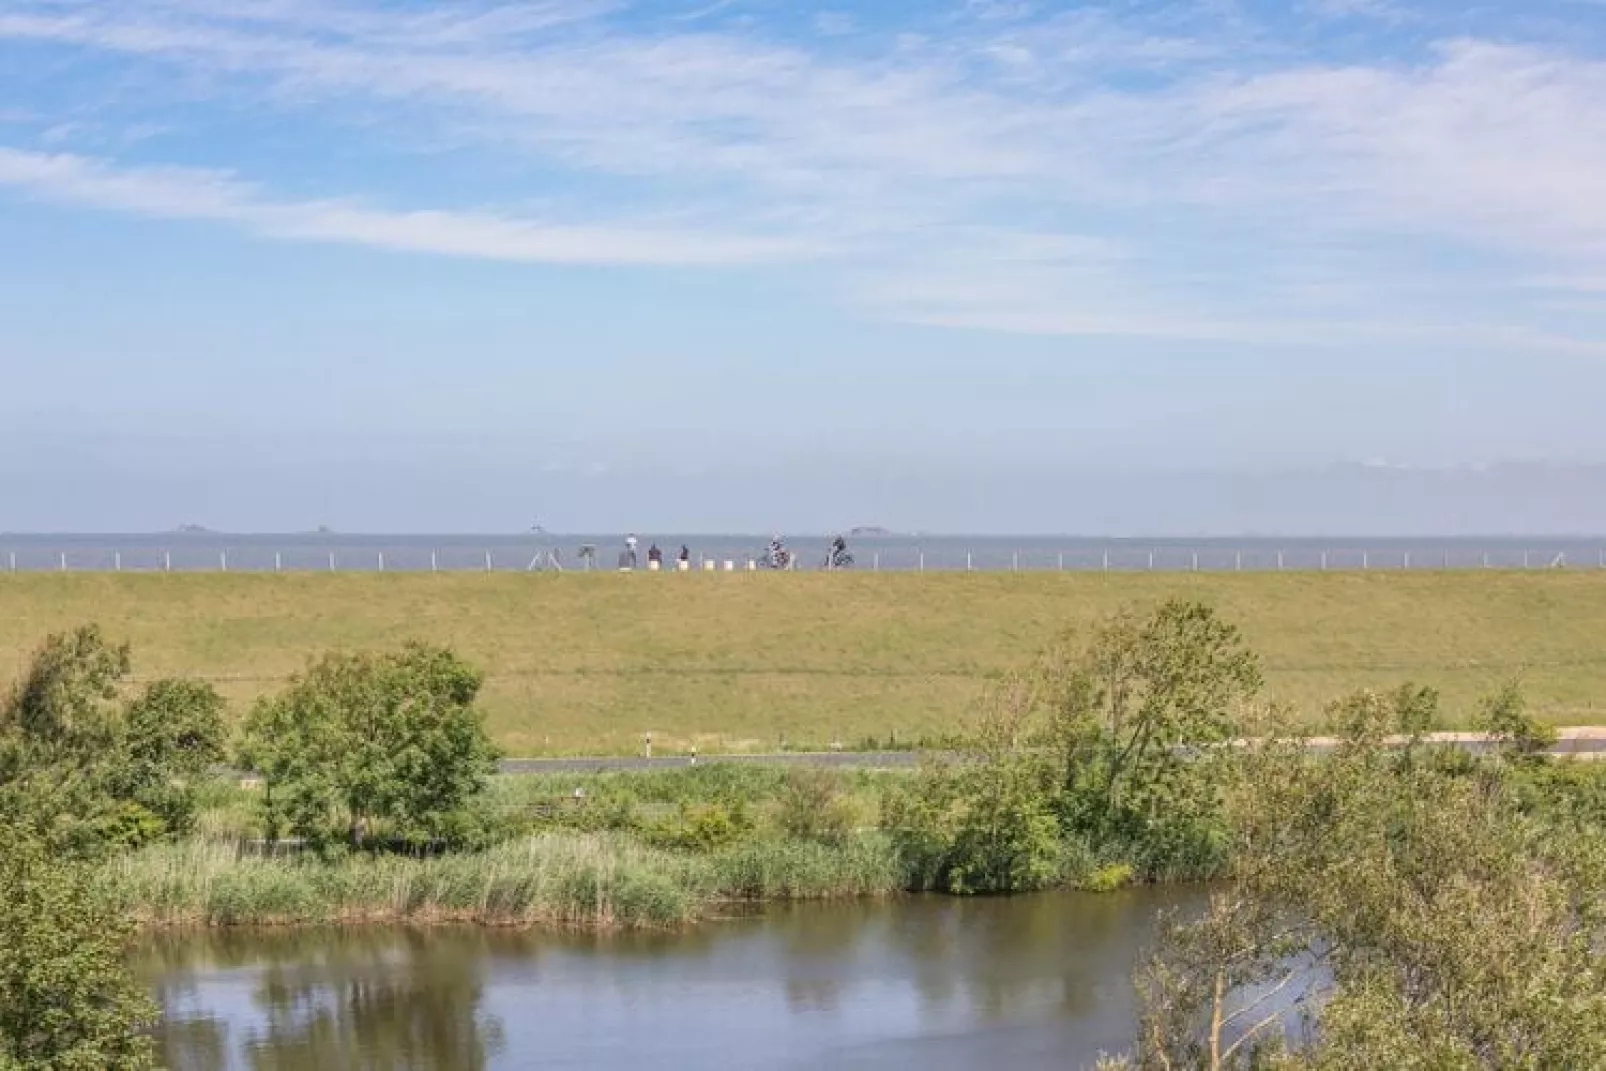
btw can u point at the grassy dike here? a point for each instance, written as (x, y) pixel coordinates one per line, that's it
(589, 662)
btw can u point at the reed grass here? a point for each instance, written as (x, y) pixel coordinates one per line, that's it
(561, 878)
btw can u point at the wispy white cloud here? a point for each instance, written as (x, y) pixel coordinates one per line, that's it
(1026, 127)
(193, 194)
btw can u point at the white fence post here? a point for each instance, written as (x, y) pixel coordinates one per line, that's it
(1324, 561)
(487, 561)
(223, 560)
(117, 560)
(1196, 561)
(968, 562)
(278, 561)
(64, 561)
(331, 561)
(1106, 559)
(1366, 559)
(167, 561)
(875, 562)
(1151, 561)
(434, 562)
(1014, 562)
(381, 561)
(1238, 562)
(1407, 559)
(923, 560)
(14, 561)
(1525, 559)
(1279, 561)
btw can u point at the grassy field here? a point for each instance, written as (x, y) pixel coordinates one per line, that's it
(747, 662)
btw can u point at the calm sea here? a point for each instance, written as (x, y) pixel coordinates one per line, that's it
(191, 551)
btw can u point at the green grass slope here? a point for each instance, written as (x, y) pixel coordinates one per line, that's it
(582, 662)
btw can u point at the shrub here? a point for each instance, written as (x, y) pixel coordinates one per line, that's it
(986, 827)
(813, 807)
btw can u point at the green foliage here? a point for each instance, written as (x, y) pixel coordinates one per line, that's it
(388, 739)
(1107, 878)
(978, 827)
(88, 772)
(701, 827)
(67, 1001)
(1504, 716)
(1134, 716)
(171, 733)
(812, 806)
(1460, 925)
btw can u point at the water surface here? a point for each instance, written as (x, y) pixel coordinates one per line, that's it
(932, 983)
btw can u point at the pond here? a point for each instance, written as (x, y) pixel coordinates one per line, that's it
(929, 982)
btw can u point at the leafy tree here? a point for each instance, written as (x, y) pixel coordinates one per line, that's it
(67, 1001)
(88, 770)
(1452, 927)
(1504, 716)
(372, 738)
(985, 825)
(1134, 714)
(172, 732)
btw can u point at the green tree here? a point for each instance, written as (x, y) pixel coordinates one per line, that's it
(1135, 715)
(1504, 716)
(985, 824)
(1454, 927)
(88, 770)
(67, 1000)
(172, 732)
(372, 738)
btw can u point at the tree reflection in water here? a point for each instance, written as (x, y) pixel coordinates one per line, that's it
(371, 1000)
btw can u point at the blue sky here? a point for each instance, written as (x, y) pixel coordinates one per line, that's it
(752, 263)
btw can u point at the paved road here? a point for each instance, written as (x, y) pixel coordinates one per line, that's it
(864, 760)
(1589, 741)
